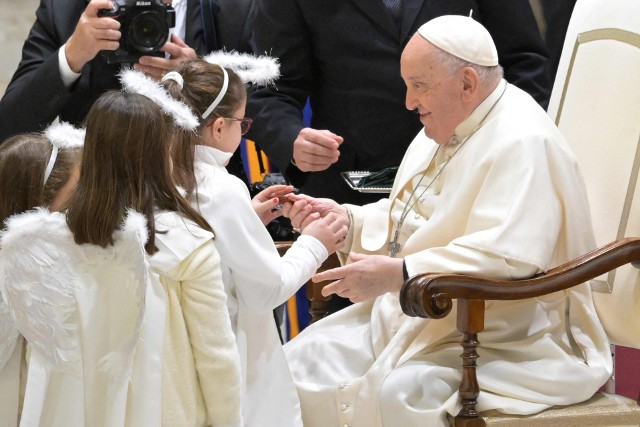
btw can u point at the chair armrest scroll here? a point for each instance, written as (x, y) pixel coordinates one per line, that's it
(430, 295)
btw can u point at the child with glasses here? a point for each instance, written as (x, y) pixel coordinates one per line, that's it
(257, 279)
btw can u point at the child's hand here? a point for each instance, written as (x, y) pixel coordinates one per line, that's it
(330, 230)
(268, 202)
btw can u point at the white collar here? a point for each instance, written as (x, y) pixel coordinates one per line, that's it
(477, 115)
(212, 155)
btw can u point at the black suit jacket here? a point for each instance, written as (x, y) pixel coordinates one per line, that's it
(344, 55)
(36, 95)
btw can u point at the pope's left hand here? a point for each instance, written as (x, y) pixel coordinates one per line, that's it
(365, 278)
(156, 67)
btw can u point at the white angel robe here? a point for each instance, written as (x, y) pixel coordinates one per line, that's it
(257, 280)
(201, 383)
(11, 356)
(63, 297)
(509, 204)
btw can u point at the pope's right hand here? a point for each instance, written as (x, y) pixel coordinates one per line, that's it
(92, 34)
(315, 150)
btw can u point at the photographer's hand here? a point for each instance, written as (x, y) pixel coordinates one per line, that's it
(267, 203)
(157, 67)
(92, 34)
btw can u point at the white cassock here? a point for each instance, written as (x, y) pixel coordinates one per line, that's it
(509, 204)
(257, 280)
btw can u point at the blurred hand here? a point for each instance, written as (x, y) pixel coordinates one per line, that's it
(315, 150)
(367, 277)
(268, 204)
(92, 34)
(156, 67)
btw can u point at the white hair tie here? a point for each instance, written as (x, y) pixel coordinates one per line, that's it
(223, 91)
(175, 76)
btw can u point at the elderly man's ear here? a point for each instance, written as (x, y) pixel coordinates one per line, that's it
(470, 83)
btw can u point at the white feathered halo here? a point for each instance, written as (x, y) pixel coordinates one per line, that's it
(64, 135)
(260, 70)
(134, 81)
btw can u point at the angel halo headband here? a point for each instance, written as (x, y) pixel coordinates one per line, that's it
(134, 81)
(61, 136)
(261, 70)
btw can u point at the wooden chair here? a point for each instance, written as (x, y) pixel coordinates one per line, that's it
(596, 104)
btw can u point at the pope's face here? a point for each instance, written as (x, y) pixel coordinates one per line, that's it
(434, 91)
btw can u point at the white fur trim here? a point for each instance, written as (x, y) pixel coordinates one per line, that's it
(260, 70)
(137, 82)
(64, 135)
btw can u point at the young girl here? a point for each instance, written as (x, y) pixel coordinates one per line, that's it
(126, 204)
(36, 169)
(257, 280)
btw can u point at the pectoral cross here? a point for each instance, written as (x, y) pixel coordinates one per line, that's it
(394, 247)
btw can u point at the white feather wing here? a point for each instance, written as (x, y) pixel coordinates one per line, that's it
(39, 289)
(44, 269)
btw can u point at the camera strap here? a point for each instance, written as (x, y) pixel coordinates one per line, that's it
(208, 24)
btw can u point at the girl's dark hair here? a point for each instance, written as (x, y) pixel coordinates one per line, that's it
(126, 164)
(23, 159)
(202, 84)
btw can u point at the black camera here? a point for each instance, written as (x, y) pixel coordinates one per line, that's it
(145, 28)
(279, 229)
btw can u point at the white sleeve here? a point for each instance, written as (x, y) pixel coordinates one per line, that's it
(215, 351)
(263, 280)
(66, 73)
(455, 258)
(302, 260)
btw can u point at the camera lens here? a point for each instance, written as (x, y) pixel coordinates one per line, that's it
(148, 32)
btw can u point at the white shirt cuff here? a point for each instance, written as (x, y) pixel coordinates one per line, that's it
(67, 74)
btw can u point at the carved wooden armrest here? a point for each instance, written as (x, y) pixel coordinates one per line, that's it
(431, 295)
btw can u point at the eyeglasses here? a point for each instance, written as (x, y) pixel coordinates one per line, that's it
(245, 123)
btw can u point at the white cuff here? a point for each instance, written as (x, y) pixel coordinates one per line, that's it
(67, 74)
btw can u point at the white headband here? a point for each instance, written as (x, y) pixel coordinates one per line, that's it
(137, 82)
(175, 76)
(221, 94)
(61, 136)
(52, 161)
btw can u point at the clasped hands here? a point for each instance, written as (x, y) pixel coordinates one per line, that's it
(364, 277)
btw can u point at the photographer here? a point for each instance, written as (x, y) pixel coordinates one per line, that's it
(62, 71)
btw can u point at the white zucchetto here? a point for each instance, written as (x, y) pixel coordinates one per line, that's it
(463, 37)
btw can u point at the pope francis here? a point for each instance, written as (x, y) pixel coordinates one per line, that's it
(489, 188)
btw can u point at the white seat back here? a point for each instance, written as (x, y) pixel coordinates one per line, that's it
(596, 104)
